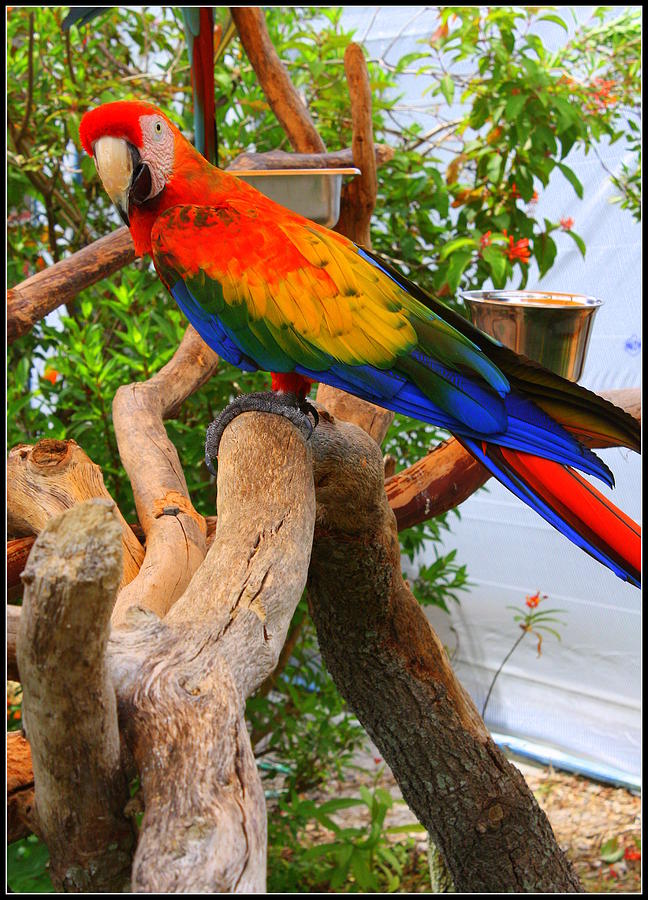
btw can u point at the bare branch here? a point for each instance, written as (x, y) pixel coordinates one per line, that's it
(183, 680)
(279, 159)
(281, 94)
(31, 300)
(175, 532)
(359, 196)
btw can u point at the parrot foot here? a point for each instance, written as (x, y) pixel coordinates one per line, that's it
(280, 403)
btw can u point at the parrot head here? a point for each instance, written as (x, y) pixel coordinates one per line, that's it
(134, 148)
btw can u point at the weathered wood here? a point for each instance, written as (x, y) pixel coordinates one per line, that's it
(375, 420)
(33, 299)
(20, 788)
(182, 682)
(80, 790)
(44, 480)
(359, 195)
(175, 540)
(332, 159)
(13, 621)
(394, 673)
(279, 90)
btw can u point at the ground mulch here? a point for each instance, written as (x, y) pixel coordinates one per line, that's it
(593, 822)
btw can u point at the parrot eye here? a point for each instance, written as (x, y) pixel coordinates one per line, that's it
(157, 130)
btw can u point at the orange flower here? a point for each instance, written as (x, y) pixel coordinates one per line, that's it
(51, 375)
(514, 191)
(533, 601)
(567, 224)
(632, 854)
(485, 239)
(518, 250)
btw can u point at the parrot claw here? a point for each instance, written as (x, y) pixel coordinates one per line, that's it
(277, 402)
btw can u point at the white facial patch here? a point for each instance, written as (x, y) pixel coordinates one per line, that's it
(157, 150)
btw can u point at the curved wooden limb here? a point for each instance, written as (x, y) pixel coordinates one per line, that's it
(34, 298)
(359, 195)
(332, 159)
(182, 681)
(44, 480)
(175, 532)
(13, 621)
(393, 671)
(80, 790)
(280, 92)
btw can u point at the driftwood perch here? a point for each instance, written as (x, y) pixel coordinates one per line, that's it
(180, 682)
(393, 671)
(81, 791)
(175, 532)
(45, 480)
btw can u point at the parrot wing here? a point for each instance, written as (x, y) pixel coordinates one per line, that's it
(281, 294)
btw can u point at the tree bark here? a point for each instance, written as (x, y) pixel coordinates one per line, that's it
(280, 92)
(50, 477)
(69, 711)
(20, 788)
(175, 532)
(359, 195)
(394, 673)
(332, 159)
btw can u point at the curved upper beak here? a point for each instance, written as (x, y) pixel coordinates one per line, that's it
(126, 178)
(116, 160)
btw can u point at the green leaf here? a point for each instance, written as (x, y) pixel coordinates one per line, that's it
(458, 262)
(578, 240)
(556, 19)
(610, 851)
(514, 105)
(571, 178)
(456, 245)
(447, 88)
(498, 265)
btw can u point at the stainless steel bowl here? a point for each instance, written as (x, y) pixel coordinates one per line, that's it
(551, 328)
(313, 193)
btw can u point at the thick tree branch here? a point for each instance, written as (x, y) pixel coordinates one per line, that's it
(332, 159)
(71, 580)
(280, 92)
(50, 477)
(182, 682)
(392, 669)
(31, 300)
(175, 532)
(359, 195)
(13, 621)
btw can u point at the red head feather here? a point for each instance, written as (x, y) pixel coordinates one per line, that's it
(119, 119)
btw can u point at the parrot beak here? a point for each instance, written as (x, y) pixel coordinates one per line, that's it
(124, 176)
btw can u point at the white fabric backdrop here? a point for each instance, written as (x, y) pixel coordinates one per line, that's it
(582, 696)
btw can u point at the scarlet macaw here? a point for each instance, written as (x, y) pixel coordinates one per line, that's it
(270, 290)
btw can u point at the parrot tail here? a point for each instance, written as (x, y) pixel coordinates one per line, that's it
(569, 503)
(199, 28)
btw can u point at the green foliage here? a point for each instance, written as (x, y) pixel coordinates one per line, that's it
(357, 859)
(27, 862)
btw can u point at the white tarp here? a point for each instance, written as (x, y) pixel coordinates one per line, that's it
(582, 696)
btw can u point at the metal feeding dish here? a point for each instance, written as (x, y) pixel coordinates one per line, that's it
(551, 328)
(313, 193)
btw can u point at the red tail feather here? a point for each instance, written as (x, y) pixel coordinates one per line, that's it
(587, 510)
